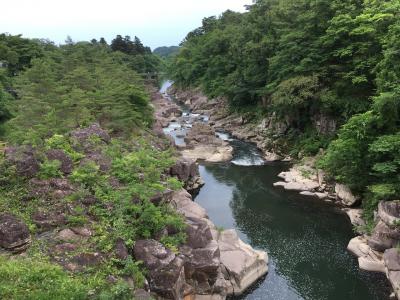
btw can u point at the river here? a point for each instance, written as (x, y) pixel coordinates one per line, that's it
(305, 238)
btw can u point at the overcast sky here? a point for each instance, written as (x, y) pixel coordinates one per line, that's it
(155, 22)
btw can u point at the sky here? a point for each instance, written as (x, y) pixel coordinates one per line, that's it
(155, 22)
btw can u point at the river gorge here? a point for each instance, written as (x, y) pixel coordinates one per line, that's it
(305, 238)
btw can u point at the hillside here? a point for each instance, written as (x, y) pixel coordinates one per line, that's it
(81, 174)
(325, 72)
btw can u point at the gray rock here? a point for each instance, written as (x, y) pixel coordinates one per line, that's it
(389, 212)
(202, 267)
(345, 195)
(82, 137)
(83, 134)
(50, 189)
(198, 233)
(86, 260)
(184, 169)
(14, 234)
(384, 237)
(141, 294)
(24, 159)
(67, 235)
(121, 251)
(166, 270)
(244, 264)
(392, 259)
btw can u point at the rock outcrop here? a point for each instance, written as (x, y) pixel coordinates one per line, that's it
(379, 252)
(14, 234)
(202, 144)
(211, 265)
(238, 126)
(344, 193)
(243, 264)
(66, 163)
(368, 259)
(25, 160)
(166, 272)
(216, 262)
(186, 170)
(306, 179)
(386, 233)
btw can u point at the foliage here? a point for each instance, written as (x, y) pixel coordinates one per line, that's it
(75, 86)
(122, 212)
(56, 91)
(50, 169)
(32, 279)
(166, 51)
(296, 59)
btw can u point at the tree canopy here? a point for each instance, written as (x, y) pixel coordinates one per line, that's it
(299, 58)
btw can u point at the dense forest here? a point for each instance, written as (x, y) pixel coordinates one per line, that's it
(297, 59)
(77, 152)
(166, 52)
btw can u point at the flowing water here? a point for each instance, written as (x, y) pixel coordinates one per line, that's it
(305, 238)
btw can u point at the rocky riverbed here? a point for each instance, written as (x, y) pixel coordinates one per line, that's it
(214, 263)
(373, 250)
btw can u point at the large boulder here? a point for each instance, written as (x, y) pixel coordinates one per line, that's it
(389, 212)
(201, 133)
(209, 153)
(166, 270)
(202, 144)
(243, 264)
(198, 233)
(14, 234)
(24, 159)
(45, 220)
(344, 193)
(368, 259)
(299, 178)
(355, 216)
(184, 169)
(384, 237)
(99, 158)
(386, 233)
(202, 268)
(183, 203)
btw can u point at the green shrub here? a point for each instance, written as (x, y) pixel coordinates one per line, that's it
(50, 169)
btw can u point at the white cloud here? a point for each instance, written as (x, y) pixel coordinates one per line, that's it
(156, 22)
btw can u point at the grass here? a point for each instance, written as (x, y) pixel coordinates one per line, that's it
(38, 279)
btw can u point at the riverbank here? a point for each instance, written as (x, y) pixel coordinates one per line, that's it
(303, 177)
(217, 262)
